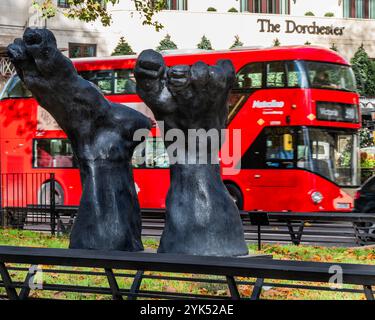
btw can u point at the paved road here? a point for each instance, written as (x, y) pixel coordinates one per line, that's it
(323, 234)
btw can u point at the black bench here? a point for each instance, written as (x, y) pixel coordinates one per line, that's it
(248, 267)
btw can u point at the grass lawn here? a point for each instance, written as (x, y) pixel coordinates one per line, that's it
(288, 252)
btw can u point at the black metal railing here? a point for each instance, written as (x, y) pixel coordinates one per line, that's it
(28, 199)
(228, 272)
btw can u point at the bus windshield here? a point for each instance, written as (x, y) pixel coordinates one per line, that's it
(330, 76)
(330, 153)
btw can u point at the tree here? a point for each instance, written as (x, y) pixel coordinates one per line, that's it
(307, 43)
(205, 44)
(123, 48)
(276, 42)
(237, 42)
(364, 71)
(366, 138)
(166, 44)
(93, 10)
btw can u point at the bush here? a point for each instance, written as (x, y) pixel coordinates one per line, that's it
(123, 48)
(237, 42)
(333, 47)
(205, 44)
(211, 9)
(166, 44)
(329, 14)
(307, 43)
(276, 42)
(309, 13)
(232, 10)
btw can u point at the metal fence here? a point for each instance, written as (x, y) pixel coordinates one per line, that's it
(28, 199)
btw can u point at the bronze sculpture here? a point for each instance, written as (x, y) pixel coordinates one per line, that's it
(101, 134)
(201, 217)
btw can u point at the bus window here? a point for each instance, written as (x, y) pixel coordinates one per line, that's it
(276, 74)
(296, 76)
(53, 153)
(124, 82)
(272, 149)
(15, 89)
(279, 148)
(151, 154)
(112, 81)
(250, 77)
(330, 76)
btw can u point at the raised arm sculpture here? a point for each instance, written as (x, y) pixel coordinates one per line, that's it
(201, 217)
(101, 134)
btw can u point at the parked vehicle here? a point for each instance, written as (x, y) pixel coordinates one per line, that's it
(365, 197)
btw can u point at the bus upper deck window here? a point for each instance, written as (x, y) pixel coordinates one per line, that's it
(250, 77)
(295, 75)
(125, 82)
(276, 74)
(112, 81)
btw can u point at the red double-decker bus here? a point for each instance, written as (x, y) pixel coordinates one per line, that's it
(297, 109)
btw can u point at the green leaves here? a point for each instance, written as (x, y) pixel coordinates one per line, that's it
(237, 42)
(123, 48)
(166, 44)
(205, 44)
(364, 70)
(93, 10)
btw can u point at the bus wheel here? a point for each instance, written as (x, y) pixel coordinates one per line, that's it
(44, 194)
(236, 195)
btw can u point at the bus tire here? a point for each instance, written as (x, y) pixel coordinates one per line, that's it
(44, 194)
(235, 194)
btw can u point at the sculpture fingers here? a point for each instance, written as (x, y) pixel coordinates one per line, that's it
(199, 75)
(22, 61)
(229, 71)
(149, 71)
(178, 79)
(41, 45)
(217, 81)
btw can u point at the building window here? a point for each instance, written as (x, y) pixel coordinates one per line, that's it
(80, 50)
(176, 5)
(63, 3)
(362, 9)
(266, 6)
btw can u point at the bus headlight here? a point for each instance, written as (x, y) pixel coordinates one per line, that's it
(316, 197)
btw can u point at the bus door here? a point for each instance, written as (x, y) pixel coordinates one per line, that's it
(268, 170)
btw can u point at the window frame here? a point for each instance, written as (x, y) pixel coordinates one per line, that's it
(305, 83)
(33, 158)
(71, 45)
(112, 80)
(63, 4)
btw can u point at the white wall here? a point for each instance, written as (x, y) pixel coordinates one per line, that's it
(187, 28)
